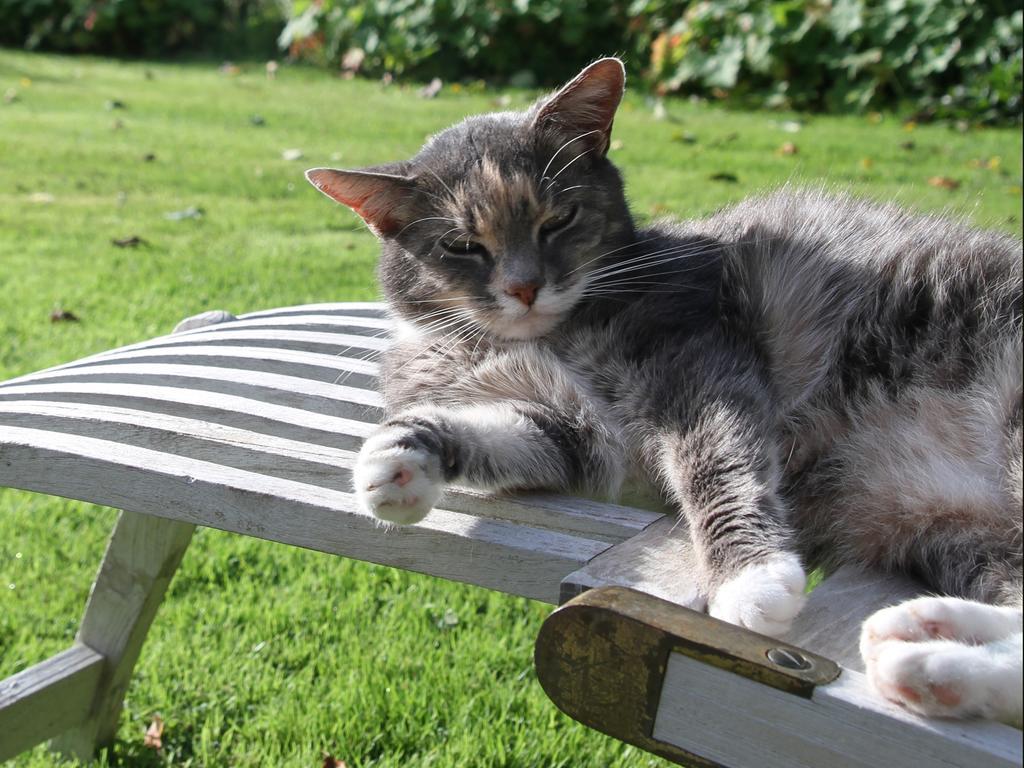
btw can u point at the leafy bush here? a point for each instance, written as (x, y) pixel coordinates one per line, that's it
(534, 40)
(141, 27)
(948, 58)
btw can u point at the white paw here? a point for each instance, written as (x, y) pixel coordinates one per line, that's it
(944, 678)
(395, 480)
(946, 657)
(938, 618)
(763, 597)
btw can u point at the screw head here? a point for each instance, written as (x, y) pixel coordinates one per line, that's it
(788, 659)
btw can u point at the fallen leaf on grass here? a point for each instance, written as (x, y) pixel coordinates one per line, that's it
(113, 104)
(291, 154)
(908, 145)
(128, 242)
(943, 182)
(63, 316)
(330, 761)
(730, 178)
(431, 89)
(615, 146)
(789, 148)
(153, 738)
(41, 197)
(189, 213)
(727, 139)
(353, 60)
(684, 137)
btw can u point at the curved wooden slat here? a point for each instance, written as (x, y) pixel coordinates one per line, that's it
(241, 412)
(353, 308)
(310, 365)
(491, 553)
(358, 326)
(289, 390)
(307, 463)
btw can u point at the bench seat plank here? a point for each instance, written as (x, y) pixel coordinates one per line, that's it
(737, 722)
(497, 554)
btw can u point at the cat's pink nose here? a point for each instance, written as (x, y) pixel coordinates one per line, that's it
(525, 292)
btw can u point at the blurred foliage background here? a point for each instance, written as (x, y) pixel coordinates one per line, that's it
(933, 59)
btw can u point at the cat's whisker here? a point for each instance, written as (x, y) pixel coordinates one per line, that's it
(694, 247)
(436, 300)
(568, 189)
(425, 218)
(439, 181)
(613, 250)
(560, 170)
(543, 174)
(641, 268)
(689, 250)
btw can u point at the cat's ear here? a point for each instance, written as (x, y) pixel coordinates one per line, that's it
(585, 107)
(385, 201)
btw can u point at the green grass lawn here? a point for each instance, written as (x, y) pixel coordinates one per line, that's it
(262, 654)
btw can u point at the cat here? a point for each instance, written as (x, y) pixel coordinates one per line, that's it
(809, 379)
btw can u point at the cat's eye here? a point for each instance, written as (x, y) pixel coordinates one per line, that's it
(558, 222)
(464, 247)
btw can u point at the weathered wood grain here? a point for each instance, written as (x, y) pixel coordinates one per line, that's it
(311, 365)
(659, 561)
(493, 553)
(231, 410)
(830, 622)
(45, 699)
(308, 463)
(141, 558)
(733, 721)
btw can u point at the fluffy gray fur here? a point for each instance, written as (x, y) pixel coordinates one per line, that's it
(801, 373)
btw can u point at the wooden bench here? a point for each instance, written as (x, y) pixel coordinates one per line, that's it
(252, 425)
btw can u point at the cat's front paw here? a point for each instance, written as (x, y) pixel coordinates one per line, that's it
(397, 478)
(764, 597)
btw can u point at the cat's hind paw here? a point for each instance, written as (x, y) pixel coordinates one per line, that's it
(763, 597)
(938, 618)
(946, 657)
(396, 479)
(944, 678)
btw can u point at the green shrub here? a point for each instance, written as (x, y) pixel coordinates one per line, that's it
(946, 58)
(141, 27)
(540, 41)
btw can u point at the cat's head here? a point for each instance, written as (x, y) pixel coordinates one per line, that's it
(500, 218)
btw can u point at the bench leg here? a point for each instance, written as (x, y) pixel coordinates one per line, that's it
(141, 558)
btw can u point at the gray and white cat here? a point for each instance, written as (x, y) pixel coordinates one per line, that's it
(810, 379)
